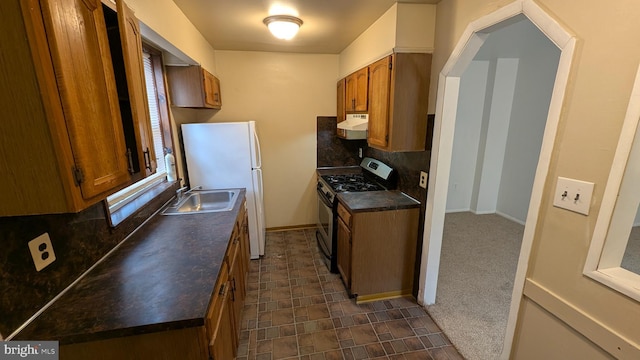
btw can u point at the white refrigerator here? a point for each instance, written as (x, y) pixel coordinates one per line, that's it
(224, 156)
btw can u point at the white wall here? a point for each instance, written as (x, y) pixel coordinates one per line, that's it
(405, 27)
(283, 93)
(495, 142)
(473, 85)
(536, 76)
(166, 19)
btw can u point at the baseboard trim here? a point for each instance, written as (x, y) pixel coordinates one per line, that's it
(360, 299)
(293, 227)
(508, 217)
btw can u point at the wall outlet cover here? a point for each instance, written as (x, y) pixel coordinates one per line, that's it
(423, 179)
(42, 251)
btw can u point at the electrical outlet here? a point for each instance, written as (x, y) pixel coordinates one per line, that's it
(360, 152)
(423, 179)
(42, 251)
(573, 195)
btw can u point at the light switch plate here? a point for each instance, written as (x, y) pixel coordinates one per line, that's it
(42, 251)
(573, 195)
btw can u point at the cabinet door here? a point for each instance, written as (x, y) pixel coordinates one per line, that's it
(79, 46)
(362, 87)
(378, 132)
(212, 96)
(132, 53)
(344, 252)
(356, 90)
(350, 93)
(223, 344)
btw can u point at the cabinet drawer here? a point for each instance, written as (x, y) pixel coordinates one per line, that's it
(344, 214)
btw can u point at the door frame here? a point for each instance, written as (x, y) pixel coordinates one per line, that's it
(469, 44)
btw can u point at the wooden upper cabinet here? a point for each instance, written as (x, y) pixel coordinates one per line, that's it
(340, 100)
(193, 87)
(356, 91)
(131, 41)
(79, 45)
(63, 145)
(398, 99)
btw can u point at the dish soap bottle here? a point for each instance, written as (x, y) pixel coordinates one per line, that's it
(170, 165)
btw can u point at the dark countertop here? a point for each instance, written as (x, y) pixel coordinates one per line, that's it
(161, 278)
(366, 201)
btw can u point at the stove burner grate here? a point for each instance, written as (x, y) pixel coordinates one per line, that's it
(350, 182)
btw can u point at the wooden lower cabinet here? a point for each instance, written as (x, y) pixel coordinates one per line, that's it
(217, 339)
(223, 343)
(377, 251)
(183, 344)
(225, 336)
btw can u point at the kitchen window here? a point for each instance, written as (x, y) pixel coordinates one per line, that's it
(162, 140)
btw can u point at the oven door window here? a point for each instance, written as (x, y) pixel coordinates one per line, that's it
(325, 217)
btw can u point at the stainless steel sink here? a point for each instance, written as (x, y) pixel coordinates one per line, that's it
(204, 201)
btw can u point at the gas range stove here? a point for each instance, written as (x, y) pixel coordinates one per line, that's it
(350, 182)
(374, 175)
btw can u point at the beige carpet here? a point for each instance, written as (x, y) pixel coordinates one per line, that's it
(631, 259)
(477, 268)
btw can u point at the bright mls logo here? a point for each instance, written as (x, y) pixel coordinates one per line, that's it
(29, 350)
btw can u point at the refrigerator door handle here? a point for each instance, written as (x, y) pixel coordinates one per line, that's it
(260, 210)
(258, 163)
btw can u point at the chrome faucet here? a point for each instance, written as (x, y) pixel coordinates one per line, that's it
(182, 192)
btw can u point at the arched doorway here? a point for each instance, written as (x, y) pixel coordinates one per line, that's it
(448, 99)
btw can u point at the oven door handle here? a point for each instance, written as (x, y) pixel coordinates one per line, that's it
(320, 242)
(325, 199)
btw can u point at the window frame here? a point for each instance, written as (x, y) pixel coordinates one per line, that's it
(611, 232)
(115, 202)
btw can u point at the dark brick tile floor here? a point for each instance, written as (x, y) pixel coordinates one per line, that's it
(296, 309)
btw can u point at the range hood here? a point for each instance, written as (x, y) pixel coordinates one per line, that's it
(354, 127)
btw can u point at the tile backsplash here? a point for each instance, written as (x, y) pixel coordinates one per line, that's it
(332, 150)
(79, 240)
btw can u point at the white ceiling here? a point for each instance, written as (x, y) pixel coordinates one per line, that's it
(329, 25)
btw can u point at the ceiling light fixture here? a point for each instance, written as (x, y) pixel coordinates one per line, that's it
(283, 26)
